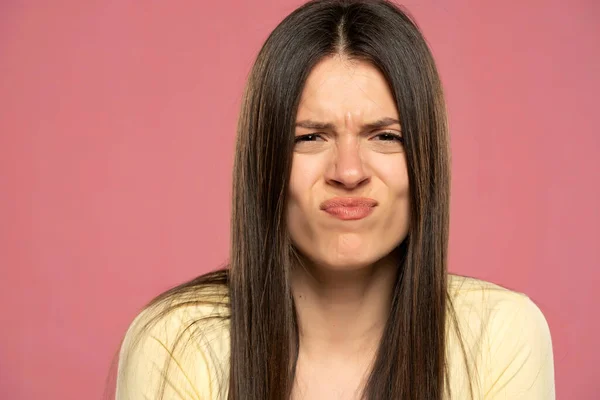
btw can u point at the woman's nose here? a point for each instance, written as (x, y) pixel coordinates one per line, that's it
(346, 168)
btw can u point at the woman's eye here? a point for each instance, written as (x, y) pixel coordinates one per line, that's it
(389, 136)
(313, 137)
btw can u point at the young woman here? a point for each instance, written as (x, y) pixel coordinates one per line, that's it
(337, 285)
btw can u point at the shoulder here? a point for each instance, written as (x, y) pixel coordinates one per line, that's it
(178, 345)
(508, 335)
(474, 297)
(495, 307)
(199, 312)
(487, 308)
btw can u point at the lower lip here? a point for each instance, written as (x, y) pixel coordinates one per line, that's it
(349, 213)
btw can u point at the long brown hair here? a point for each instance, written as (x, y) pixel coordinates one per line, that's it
(411, 361)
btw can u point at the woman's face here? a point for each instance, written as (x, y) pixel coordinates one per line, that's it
(348, 201)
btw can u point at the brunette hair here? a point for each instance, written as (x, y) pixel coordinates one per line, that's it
(411, 360)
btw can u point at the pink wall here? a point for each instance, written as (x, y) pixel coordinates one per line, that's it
(116, 138)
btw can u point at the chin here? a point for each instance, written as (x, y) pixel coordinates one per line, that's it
(350, 261)
(347, 253)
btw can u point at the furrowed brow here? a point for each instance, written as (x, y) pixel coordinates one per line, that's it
(324, 126)
(308, 124)
(382, 123)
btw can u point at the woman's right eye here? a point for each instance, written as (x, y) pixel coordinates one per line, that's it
(312, 137)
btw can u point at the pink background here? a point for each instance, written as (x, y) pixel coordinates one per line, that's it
(117, 125)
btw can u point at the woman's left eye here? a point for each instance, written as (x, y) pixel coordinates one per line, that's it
(389, 136)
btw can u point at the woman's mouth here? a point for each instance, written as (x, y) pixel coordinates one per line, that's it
(349, 208)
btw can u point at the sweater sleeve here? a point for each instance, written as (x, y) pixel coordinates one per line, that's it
(520, 354)
(166, 354)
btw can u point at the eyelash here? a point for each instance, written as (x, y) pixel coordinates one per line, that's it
(395, 136)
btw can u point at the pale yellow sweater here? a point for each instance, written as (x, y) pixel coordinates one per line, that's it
(506, 337)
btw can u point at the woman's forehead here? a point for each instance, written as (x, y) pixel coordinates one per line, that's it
(345, 92)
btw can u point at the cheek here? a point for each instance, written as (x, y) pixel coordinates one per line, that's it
(306, 172)
(397, 184)
(393, 173)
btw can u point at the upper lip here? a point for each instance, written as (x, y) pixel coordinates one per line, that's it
(348, 202)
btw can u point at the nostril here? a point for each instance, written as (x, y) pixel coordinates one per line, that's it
(350, 182)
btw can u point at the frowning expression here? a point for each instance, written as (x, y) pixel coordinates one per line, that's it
(348, 201)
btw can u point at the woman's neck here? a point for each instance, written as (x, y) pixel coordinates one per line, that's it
(342, 312)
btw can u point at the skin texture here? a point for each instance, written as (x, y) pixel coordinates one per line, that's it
(342, 286)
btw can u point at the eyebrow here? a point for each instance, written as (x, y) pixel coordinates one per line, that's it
(380, 123)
